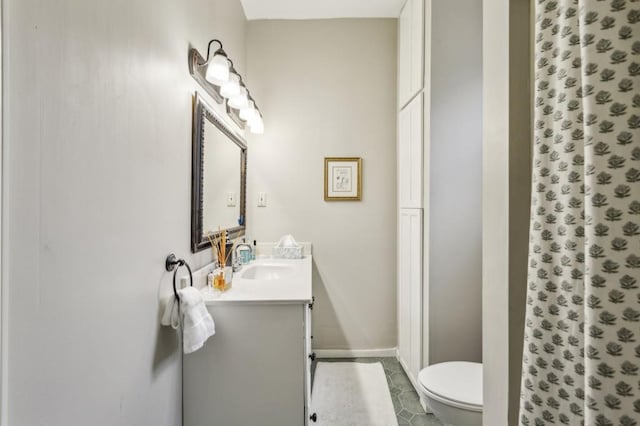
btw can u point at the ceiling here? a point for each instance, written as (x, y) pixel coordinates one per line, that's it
(321, 9)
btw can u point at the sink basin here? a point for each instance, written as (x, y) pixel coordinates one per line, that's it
(264, 280)
(266, 272)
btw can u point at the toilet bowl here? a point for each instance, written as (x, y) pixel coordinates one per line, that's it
(453, 391)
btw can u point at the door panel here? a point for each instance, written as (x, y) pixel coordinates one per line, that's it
(410, 290)
(410, 154)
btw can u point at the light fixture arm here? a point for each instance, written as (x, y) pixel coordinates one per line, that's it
(219, 51)
(233, 69)
(255, 105)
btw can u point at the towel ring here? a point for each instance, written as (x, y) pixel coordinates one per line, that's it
(173, 264)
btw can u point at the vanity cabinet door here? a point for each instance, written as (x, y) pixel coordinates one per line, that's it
(410, 154)
(410, 292)
(252, 371)
(410, 50)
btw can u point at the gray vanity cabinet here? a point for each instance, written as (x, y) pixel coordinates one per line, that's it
(254, 371)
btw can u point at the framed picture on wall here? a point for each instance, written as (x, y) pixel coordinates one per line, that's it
(342, 179)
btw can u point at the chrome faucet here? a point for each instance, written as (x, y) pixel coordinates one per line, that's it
(236, 263)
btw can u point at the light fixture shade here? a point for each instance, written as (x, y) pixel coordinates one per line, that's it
(218, 70)
(241, 100)
(232, 87)
(249, 112)
(256, 125)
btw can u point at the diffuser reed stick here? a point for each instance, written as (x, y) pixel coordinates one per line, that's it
(213, 244)
(223, 247)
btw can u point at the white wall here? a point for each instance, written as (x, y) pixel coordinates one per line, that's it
(507, 138)
(455, 162)
(520, 164)
(327, 89)
(495, 214)
(3, 254)
(96, 191)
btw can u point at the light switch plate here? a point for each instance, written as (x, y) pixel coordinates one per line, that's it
(231, 199)
(262, 199)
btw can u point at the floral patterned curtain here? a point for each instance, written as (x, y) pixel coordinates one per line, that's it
(581, 362)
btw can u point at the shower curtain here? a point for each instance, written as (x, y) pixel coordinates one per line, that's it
(581, 360)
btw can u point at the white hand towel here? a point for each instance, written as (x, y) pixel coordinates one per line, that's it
(171, 313)
(197, 324)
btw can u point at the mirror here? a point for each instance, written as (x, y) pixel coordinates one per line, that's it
(219, 169)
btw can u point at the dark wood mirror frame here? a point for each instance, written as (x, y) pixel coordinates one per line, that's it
(202, 112)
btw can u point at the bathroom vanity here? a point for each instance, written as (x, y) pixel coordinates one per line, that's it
(256, 369)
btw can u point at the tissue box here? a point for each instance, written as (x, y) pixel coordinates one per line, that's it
(287, 252)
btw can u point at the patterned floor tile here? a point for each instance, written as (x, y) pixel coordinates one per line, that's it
(404, 414)
(411, 402)
(397, 405)
(400, 380)
(425, 420)
(391, 364)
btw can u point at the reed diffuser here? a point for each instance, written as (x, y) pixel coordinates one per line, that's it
(221, 277)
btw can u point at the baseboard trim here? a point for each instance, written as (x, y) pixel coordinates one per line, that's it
(355, 353)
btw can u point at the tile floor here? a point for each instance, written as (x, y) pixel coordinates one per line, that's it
(405, 399)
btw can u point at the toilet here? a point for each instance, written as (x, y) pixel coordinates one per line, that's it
(453, 391)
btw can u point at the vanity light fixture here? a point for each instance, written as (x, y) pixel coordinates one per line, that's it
(251, 114)
(218, 66)
(248, 113)
(255, 118)
(231, 87)
(256, 125)
(223, 83)
(239, 101)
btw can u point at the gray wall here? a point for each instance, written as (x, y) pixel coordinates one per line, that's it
(97, 192)
(328, 89)
(455, 159)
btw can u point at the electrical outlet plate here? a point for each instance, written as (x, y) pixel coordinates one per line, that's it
(231, 199)
(262, 199)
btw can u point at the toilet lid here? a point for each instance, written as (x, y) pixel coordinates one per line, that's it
(457, 381)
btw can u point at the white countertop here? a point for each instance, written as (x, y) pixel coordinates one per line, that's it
(292, 287)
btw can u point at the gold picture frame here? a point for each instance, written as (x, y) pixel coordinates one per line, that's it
(339, 176)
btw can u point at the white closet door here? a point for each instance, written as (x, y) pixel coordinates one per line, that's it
(404, 54)
(404, 290)
(410, 50)
(410, 291)
(410, 154)
(417, 46)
